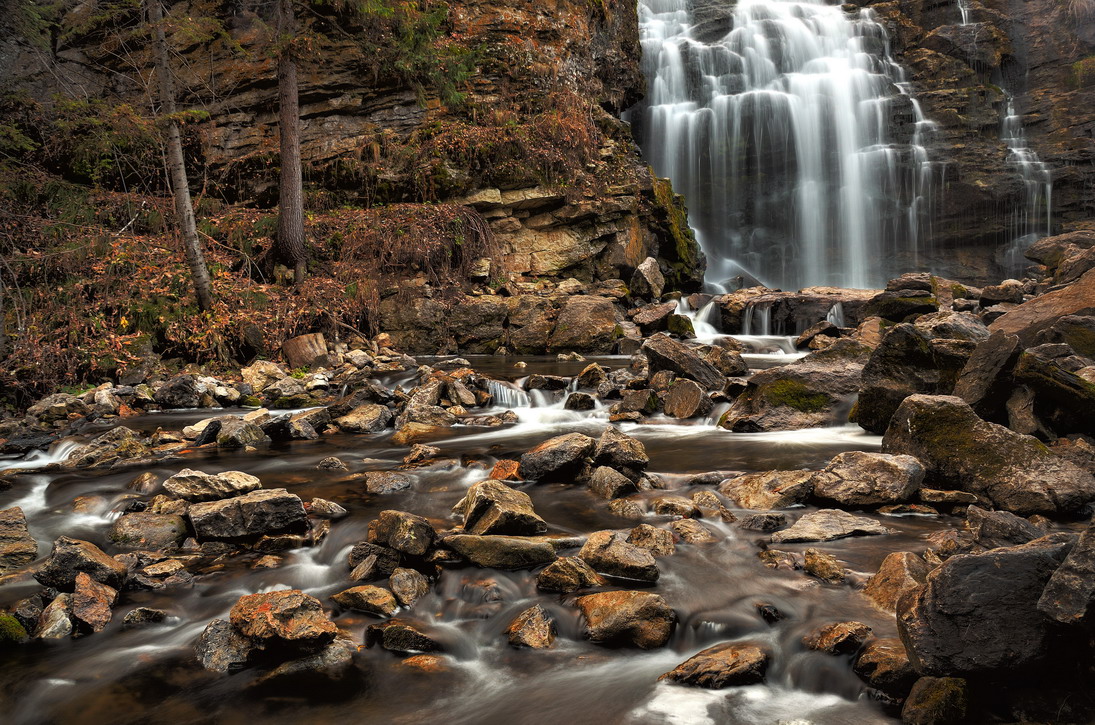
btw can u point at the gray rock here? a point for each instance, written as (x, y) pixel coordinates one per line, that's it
(196, 486)
(557, 459)
(608, 483)
(501, 552)
(568, 574)
(664, 353)
(993, 529)
(609, 553)
(492, 507)
(385, 482)
(71, 557)
(370, 418)
(619, 450)
(253, 514)
(148, 531)
(408, 586)
(829, 525)
(857, 478)
(236, 433)
(404, 532)
(769, 490)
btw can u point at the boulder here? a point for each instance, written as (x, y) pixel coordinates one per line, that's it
(557, 459)
(829, 525)
(686, 399)
(619, 450)
(148, 531)
(900, 304)
(370, 418)
(658, 542)
(900, 572)
(404, 532)
(857, 478)
(368, 561)
(259, 512)
(386, 482)
(725, 665)
(586, 323)
(532, 628)
(952, 326)
(408, 586)
(884, 666)
(236, 433)
(609, 553)
(91, 603)
(647, 282)
(220, 648)
(767, 521)
(1041, 312)
(608, 483)
(501, 552)
(143, 617)
(492, 507)
(823, 566)
(181, 391)
(638, 619)
(329, 664)
(1076, 331)
(664, 353)
(936, 701)
(400, 635)
(1069, 595)
(1014, 471)
(70, 557)
(769, 490)
(978, 613)
(287, 620)
(568, 574)
(985, 380)
(17, 547)
(55, 621)
(993, 529)
(369, 599)
(261, 374)
(839, 638)
(196, 486)
(691, 531)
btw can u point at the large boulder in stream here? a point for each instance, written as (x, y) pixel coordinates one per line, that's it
(265, 511)
(492, 507)
(769, 489)
(665, 353)
(501, 552)
(812, 392)
(608, 552)
(978, 613)
(725, 665)
(858, 478)
(148, 531)
(70, 557)
(196, 486)
(829, 525)
(639, 619)
(1016, 472)
(558, 459)
(289, 621)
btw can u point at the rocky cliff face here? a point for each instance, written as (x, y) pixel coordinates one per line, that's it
(1043, 53)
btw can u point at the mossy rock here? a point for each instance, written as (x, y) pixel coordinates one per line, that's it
(288, 402)
(250, 401)
(793, 394)
(11, 631)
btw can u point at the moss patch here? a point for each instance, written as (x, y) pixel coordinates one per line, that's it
(793, 394)
(11, 631)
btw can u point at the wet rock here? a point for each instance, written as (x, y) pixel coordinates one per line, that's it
(674, 506)
(403, 532)
(220, 648)
(884, 666)
(370, 561)
(627, 508)
(408, 586)
(585, 323)
(261, 374)
(658, 542)
(367, 598)
(992, 529)
(838, 638)
(857, 478)
(1016, 472)
(568, 574)
(829, 525)
(984, 382)
(725, 665)
(421, 455)
(283, 620)
(143, 617)
(148, 531)
(532, 628)
(640, 619)
(619, 450)
(236, 433)
(609, 553)
(823, 566)
(414, 432)
(56, 620)
(117, 444)
(492, 507)
(330, 663)
(709, 504)
(608, 483)
(260, 512)
(591, 376)
(181, 391)
(332, 463)
(580, 401)
(769, 490)
(767, 521)
(647, 282)
(369, 418)
(400, 635)
(17, 547)
(144, 483)
(91, 603)
(900, 572)
(978, 613)
(557, 459)
(501, 552)
(957, 498)
(654, 318)
(196, 486)
(58, 406)
(27, 611)
(686, 399)
(326, 509)
(900, 304)
(386, 482)
(1070, 592)
(936, 701)
(664, 353)
(506, 470)
(70, 557)
(691, 531)
(769, 613)
(728, 362)
(785, 560)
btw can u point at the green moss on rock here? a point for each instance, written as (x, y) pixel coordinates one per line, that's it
(793, 394)
(11, 631)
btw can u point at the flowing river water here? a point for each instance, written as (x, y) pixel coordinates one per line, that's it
(151, 675)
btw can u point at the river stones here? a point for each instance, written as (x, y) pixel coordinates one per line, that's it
(325, 509)
(557, 459)
(289, 620)
(1070, 593)
(725, 665)
(936, 701)
(992, 529)
(408, 586)
(900, 572)
(587, 323)
(608, 483)
(17, 547)
(369, 599)
(332, 663)
(691, 531)
(196, 486)
(148, 531)
(71, 557)
(501, 552)
(857, 478)
(609, 553)
(236, 433)
(143, 617)
(403, 532)
(568, 574)
(884, 666)
(829, 525)
(686, 399)
(181, 391)
(492, 507)
(647, 282)
(978, 613)
(386, 482)
(220, 648)
(639, 619)
(401, 636)
(253, 514)
(838, 638)
(665, 353)
(532, 628)
(658, 542)
(823, 566)
(767, 521)
(985, 380)
(1016, 472)
(55, 621)
(769, 489)
(91, 603)
(617, 449)
(369, 561)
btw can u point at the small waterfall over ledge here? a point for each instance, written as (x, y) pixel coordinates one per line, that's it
(787, 127)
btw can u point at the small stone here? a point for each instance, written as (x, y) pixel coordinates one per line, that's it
(71, 557)
(287, 619)
(143, 617)
(91, 603)
(557, 459)
(608, 483)
(532, 628)
(674, 506)
(658, 542)
(766, 521)
(884, 666)
(332, 463)
(936, 701)
(404, 532)
(369, 599)
(609, 553)
(823, 566)
(492, 507)
(326, 509)
(400, 635)
(769, 490)
(627, 509)
(408, 586)
(709, 504)
(838, 638)
(691, 531)
(420, 454)
(568, 574)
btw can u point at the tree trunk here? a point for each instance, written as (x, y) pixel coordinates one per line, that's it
(289, 245)
(180, 187)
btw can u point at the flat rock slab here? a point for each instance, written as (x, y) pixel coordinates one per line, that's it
(724, 665)
(501, 552)
(829, 525)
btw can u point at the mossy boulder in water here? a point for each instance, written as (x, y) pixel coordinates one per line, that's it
(1016, 472)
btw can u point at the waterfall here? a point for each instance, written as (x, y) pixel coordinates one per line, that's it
(506, 395)
(787, 127)
(1031, 220)
(757, 319)
(964, 11)
(835, 315)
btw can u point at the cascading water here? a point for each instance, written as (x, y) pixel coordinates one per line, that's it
(787, 127)
(1031, 220)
